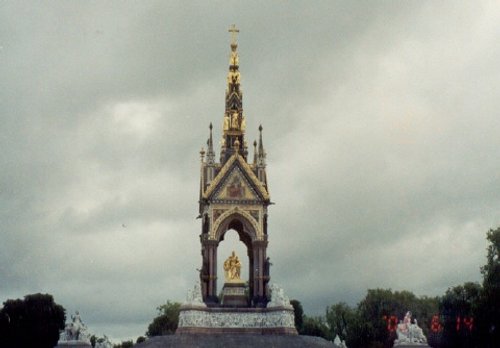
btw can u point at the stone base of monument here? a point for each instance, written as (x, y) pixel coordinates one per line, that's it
(73, 344)
(232, 340)
(234, 295)
(222, 320)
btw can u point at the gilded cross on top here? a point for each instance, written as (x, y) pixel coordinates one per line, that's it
(234, 31)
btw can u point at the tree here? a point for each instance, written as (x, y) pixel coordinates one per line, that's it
(314, 326)
(458, 307)
(488, 314)
(124, 344)
(298, 312)
(379, 312)
(166, 321)
(32, 322)
(340, 319)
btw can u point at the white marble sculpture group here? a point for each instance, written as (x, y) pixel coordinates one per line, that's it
(409, 332)
(104, 343)
(339, 343)
(194, 297)
(278, 297)
(75, 331)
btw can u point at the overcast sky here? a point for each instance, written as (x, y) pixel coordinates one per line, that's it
(381, 126)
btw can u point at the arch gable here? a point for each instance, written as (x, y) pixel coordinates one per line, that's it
(222, 224)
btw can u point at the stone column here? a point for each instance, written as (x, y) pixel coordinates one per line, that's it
(259, 292)
(210, 247)
(251, 270)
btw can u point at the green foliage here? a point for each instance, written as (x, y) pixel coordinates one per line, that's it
(32, 322)
(124, 344)
(491, 271)
(458, 302)
(298, 314)
(166, 321)
(140, 339)
(340, 319)
(488, 313)
(365, 325)
(314, 326)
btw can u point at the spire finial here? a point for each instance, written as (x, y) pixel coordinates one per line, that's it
(202, 154)
(261, 155)
(210, 147)
(255, 152)
(234, 31)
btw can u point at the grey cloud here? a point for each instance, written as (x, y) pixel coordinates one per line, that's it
(379, 123)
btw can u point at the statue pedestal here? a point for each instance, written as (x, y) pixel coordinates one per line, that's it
(234, 295)
(235, 316)
(240, 321)
(74, 344)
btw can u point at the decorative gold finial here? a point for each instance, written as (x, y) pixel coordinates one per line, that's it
(234, 31)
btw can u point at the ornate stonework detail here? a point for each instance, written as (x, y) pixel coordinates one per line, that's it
(217, 213)
(229, 190)
(255, 214)
(228, 213)
(252, 320)
(227, 166)
(234, 291)
(236, 189)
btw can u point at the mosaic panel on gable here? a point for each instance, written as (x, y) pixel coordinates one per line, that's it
(236, 188)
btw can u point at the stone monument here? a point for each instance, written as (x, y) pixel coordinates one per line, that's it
(409, 333)
(234, 195)
(75, 334)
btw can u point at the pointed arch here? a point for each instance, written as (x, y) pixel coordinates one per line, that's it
(239, 220)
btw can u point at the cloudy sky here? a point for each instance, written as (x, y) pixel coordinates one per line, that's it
(381, 125)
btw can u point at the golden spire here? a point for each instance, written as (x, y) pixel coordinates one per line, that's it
(234, 122)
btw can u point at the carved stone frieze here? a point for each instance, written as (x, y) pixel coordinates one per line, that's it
(283, 318)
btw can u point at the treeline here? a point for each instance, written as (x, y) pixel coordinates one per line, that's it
(34, 321)
(466, 316)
